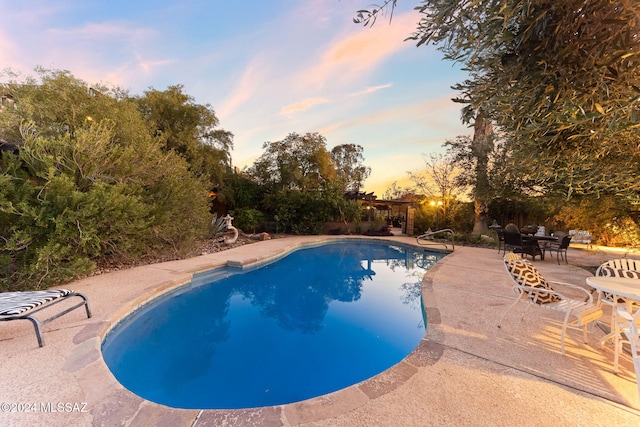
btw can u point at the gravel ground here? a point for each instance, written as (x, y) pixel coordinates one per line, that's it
(210, 246)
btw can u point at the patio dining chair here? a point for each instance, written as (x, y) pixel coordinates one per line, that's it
(629, 326)
(532, 288)
(23, 306)
(560, 248)
(518, 244)
(500, 234)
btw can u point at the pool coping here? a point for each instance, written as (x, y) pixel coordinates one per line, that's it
(72, 352)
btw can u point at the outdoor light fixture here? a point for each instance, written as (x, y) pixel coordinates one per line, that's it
(434, 204)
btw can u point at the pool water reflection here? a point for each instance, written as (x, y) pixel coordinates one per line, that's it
(313, 322)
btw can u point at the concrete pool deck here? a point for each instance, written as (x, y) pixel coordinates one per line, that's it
(465, 372)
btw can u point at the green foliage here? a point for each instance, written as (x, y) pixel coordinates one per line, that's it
(241, 191)
(351, 210)
(300, 212)
(247, 219)
(351, 173)
(607, 219)
(84, 189)
(298, 183)
(299, 162)
(189, 129)
(559, 77)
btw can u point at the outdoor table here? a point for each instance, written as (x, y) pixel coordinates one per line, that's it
(547, 238)
(619, 287)
(537, 239)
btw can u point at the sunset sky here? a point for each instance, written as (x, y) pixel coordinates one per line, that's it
(268, 68)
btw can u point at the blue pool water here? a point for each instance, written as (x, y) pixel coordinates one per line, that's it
(313, 322)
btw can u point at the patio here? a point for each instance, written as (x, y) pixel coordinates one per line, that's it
(466, 371)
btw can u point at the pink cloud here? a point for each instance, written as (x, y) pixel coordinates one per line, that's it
(250, 82)
(429, 113)
(354, 55)
(301, 106)
(372, 89)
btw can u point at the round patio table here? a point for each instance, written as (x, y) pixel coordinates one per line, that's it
(619, 287)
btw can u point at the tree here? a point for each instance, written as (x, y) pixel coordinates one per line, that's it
(347, 159)
(559, 76)
(395, 192)
(299, 162)
(439, 183)
(559, 79)
(472, 156)
(302, 189)
(188, 129)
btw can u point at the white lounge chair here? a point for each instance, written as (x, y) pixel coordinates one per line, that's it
(23, 305)
(531, 288)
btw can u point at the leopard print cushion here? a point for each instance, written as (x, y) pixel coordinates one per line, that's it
(525, 274)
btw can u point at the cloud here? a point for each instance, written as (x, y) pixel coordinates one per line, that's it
(301, 106)
(357, 53)
(310, 102)
(110, 31)
(429, 113)
(148, 66)
(250, 81)
(371, 89)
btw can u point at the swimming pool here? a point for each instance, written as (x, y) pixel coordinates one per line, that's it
(318, 320)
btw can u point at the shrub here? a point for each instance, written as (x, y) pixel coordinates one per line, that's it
(300, 212)
(67, 201)
(247, 219)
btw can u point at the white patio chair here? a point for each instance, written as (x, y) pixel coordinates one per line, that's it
(621, 267)
(629, 326)
(531, 288)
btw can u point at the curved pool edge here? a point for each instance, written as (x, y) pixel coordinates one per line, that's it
(322, 407)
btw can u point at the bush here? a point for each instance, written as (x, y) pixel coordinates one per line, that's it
(65, 202)
(609, 220)
(247, 219)
(300, 212)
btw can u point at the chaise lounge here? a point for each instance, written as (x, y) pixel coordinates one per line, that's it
(23, 305)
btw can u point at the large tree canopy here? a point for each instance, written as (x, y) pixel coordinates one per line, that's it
(347, 159)
(298, 162)
(561, 77)
(189, 129)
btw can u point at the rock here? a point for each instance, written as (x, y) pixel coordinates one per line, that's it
(260, 236)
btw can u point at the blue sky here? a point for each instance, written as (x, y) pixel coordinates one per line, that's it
(268, 68)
